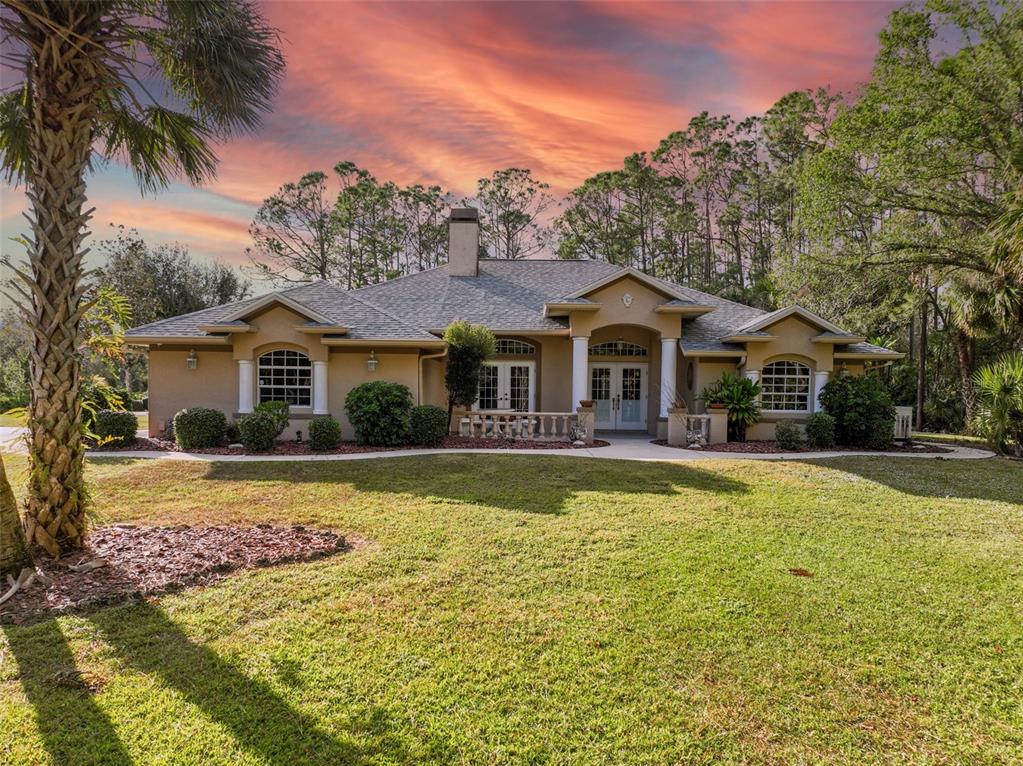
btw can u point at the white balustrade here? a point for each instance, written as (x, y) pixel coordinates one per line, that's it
(903, 423)
(541, 426)
(697, 429)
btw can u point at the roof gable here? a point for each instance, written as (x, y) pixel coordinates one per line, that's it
(276, 299)
(767, 320)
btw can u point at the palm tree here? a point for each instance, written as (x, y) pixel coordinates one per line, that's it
(89, 71)
(14, 554)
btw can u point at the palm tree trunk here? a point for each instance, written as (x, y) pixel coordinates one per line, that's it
(65, 73)
(13, 550)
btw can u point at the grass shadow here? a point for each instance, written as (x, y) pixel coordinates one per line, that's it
(994, 479)
(69, 720)
(260, 721)
(531, 484)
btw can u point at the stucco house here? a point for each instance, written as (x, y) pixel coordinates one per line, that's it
(567, 331)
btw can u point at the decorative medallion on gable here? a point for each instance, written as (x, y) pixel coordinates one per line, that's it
(627, 300)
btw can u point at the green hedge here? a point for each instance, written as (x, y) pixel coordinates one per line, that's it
(820, 431)
(324, 433)
(115, 426)
(199, 427)
(279, 411)
(380, 412)
(863, 411)
(789, 435)
(428, 424)
(257, 431)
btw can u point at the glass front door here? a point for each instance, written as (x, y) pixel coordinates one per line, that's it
(618, 391)
(508, 387)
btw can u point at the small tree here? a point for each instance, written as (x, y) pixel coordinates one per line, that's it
(469, 345)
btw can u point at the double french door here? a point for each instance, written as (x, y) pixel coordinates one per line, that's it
(508, 386)
(618, 391)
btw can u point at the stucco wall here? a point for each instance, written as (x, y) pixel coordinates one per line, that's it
(613, 310)
(275, 328)
(173, 387)
(707, 372)
(793, 342)
(347, 369)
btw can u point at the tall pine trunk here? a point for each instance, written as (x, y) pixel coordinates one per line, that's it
(966, 352)
(13, 549)
(921, 369)
(65, 75)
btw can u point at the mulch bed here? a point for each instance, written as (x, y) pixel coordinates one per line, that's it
(303, 448)
(142, 561)
(772, 448)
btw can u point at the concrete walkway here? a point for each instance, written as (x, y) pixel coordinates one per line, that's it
(622, 447)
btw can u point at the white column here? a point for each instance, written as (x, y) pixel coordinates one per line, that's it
(754, 375)
(820, 379)
(668, 383)
(245, 385)
(580, 357)
(320, 388)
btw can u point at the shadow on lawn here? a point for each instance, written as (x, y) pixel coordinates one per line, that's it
(530, 484)
(994, 479)
(76, 730)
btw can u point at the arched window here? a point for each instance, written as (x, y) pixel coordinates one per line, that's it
(785, 387)
(285, 376)
(617, 348)
(508, 346)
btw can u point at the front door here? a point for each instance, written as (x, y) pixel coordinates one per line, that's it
(618, 391)
(507, 386)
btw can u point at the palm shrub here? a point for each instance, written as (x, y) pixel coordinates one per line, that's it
(116, 426)
(740, 396)
(79, 103)
(469, 346)
(199, 427)
(863, 411)
(820, 430)
(428, 425)
(380, 412)
(1000, 414)
(789, 435)
(257, 431)
(280, 412)
(324, 433)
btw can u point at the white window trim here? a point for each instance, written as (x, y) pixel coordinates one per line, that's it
(764, 373)
(271, 366)
(621, 346)
(530, 352)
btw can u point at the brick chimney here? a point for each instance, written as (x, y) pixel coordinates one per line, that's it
(463, 242)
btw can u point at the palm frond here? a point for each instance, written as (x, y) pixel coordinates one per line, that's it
(157, 144)
(14, 134)
(221, 58)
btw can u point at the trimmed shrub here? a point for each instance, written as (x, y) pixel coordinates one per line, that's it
(380, 411)
(820, 431)
(324, 433)
(231, 434)
(428, 424)
(199, 427)
(257, 431)
(789, 435)
(116, 426)
(279, 411)
(863, 411)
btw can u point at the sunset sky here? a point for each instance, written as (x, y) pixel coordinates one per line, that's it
(447, 92)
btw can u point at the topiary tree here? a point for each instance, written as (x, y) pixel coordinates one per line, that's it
(469, 346)
(380, 411)
(863, 411)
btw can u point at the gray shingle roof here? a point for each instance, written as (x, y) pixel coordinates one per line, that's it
(507, 295)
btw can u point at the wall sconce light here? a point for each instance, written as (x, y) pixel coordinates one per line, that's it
(192, 360)
(371, 363)
(844, 370)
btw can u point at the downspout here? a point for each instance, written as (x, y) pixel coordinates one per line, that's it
(439, 355)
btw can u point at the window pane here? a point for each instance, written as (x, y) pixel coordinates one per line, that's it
(285, 376)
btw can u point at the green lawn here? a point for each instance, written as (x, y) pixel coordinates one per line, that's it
(548, 610)
(961, 439)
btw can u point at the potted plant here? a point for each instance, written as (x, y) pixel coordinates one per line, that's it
(738, 395)
(713, 396)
